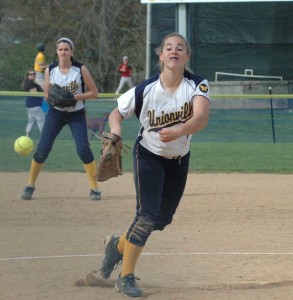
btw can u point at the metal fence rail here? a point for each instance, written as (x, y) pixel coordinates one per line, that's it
(225, 125)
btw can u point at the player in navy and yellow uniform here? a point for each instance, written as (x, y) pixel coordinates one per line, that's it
(170, 106)
(74, 77)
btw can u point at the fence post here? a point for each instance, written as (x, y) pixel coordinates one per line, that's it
(272, 116)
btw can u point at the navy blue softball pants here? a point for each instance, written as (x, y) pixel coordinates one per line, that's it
(54, 122)
(159, 183)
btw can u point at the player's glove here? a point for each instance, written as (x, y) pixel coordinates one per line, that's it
(110, 162)
(61, 98)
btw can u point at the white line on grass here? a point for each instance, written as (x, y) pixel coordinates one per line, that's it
(150, 254)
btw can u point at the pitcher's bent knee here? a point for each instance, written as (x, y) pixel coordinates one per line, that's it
(140, 231)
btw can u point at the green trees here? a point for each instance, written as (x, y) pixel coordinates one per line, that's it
(102, 30)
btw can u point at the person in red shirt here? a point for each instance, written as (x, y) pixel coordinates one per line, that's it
(125, 73)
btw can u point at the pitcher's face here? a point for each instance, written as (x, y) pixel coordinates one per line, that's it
(175, 53)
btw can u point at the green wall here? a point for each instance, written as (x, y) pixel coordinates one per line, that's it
(230, 38)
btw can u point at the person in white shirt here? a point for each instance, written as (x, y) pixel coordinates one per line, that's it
(74, 77)
(170, 106)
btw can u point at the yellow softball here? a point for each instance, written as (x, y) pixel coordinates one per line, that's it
(23, 145)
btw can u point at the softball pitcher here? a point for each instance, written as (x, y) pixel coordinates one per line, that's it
(170, 106)
(73, 76)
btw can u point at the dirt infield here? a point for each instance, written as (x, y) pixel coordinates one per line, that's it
(232, 238)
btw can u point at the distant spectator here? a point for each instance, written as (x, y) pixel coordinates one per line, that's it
(125, 72)
(40, 64)
(33, 104)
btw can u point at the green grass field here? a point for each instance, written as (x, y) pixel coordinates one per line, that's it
(208, 157)
(236, 140)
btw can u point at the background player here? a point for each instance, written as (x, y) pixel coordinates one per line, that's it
(70, 74)
(33, 105)
(171, 106)
(40, 64)
(125, 75)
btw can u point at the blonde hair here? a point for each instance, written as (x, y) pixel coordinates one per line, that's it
(159, 50)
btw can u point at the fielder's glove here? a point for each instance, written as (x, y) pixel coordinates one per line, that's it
(61, 98)
(110, 162)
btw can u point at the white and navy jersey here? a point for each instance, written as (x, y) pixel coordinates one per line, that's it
(72, 82)
(156, 109)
